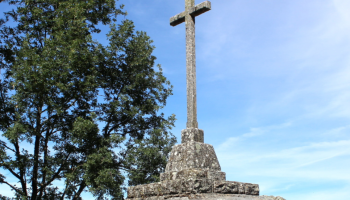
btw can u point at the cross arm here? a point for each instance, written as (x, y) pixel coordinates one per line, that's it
(200, 8)
(178, 19)
(194, 11)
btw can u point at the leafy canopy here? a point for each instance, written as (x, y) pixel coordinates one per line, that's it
(74, 110)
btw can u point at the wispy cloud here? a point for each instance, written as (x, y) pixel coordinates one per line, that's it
(279, 170)
(333, 193)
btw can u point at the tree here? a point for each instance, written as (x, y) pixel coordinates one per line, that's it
(75, 111)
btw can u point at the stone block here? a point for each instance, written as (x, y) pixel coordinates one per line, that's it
(192, 135)
(226, 187)
(251, 189)
(152, 189)
(241, 188)
(181, 187)
(171, 187)
(137, 191)
(131, 192)
(164, 176)
(165, 187)
(232, 187)
(216, 176)
(193, 174)
(188, 186)
(192, 155)
(203, 186)
(210, 196)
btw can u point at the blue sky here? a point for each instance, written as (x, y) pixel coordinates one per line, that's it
(273, 88)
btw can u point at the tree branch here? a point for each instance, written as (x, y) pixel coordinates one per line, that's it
(81, 189)
(54, 176)
(4, 144)
(43, 179)
(37, 151)
(12, 172)
(13, 187)
(21, 169)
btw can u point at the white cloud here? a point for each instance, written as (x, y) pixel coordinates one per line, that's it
(254, 132)
(285, 159)
(281, 170)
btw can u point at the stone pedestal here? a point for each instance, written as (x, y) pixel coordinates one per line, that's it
(193, 172)
(214, 197)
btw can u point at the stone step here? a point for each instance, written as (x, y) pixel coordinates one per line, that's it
(186, 187)
(193, 174)
(214, 197)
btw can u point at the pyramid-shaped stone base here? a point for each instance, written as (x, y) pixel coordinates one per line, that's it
(193, 172)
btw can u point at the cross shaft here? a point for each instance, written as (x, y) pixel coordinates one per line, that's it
(188, 16)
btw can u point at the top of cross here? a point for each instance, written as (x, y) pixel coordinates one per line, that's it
(192, 10)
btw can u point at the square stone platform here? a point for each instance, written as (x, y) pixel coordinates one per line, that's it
(216, 197)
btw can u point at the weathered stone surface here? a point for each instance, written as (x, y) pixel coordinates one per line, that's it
(226, 187)
(181, 187)
(188, 16)
(192, 155)
(193, 11)
(210, 196)
(191, 68)
(200, 8)
(251, 189)
(192, 134)
(193, 174)
(178, 19)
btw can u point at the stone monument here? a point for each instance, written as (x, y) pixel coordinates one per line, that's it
(193, 170)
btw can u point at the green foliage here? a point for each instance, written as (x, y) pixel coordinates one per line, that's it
(75, 111)
(149, 156)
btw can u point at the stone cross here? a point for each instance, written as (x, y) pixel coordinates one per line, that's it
(188, 16)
